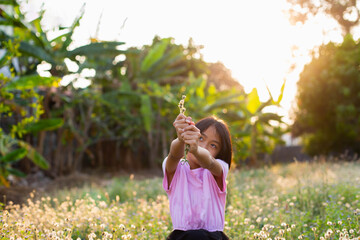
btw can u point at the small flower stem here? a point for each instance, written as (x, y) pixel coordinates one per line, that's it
(187, 146)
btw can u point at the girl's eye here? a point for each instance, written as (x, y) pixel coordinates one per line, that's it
(201, 138)
(213, 145)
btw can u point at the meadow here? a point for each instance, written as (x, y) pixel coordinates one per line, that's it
(294, 201)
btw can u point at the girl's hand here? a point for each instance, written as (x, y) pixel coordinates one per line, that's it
(191, 136)
(180, 123)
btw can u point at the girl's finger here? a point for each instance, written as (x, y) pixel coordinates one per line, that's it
(192, 128)
(180, 116)
(191, 135)
(188, 120)
(180, 126)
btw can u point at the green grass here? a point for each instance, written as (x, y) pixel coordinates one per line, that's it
(295, 201)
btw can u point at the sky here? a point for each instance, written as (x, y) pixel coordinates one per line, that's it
(254, 39)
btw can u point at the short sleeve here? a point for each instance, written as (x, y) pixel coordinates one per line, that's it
(225, 168)
(166, 186)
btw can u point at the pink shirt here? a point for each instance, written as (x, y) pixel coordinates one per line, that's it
(196, 201)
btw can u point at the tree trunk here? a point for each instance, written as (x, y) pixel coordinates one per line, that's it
(99, 155)
(117, 155)
(151, 150)
(41, 139)
(128, 159)
(70, 158)
(58, 160)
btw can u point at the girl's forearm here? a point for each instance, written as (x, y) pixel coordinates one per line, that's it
(207, 161)
(175, 154)
(177, 149)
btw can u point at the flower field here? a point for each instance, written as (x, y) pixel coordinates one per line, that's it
(295, 201)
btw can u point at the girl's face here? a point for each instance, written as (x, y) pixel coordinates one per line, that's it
(209, 140)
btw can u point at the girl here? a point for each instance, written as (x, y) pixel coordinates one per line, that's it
(197, 189)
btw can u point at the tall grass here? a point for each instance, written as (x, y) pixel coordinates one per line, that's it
(295, 201)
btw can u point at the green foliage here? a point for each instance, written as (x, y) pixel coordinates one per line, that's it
(328, 114)
(254, 130)
(19, 99)
(146, 112)
(253, 101)
(30, 82)
(132, 102)
(44, 125)
(35, 46)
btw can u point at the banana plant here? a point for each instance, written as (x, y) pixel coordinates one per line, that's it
(34, 43)
(249, 124)
(159, 73)
(259, 123)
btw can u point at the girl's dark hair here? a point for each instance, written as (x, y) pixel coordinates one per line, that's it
(225, 153)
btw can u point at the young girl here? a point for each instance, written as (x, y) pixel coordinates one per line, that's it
(197, 189)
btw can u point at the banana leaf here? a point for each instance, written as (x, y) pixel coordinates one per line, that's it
(264, 104)
(225, 102)
(146, 112)
(167, 61)
(42, 38)
(44, 125)
(172, 72)
(97, 48)
(37, 52)
(16, 172)
(30, 82)
(281, 93)
(13, 156)
(266, 117)
(277, 102)
(154, 55)
(253, 101)
(34, 155)
(8, 20)
(9, 2)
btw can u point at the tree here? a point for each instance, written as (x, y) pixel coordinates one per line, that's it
(346, 13)
(328, 100)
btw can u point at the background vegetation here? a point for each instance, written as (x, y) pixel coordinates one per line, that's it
(123, 118)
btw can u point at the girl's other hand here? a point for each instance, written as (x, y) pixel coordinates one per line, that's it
(180, 123)
(191, 136)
